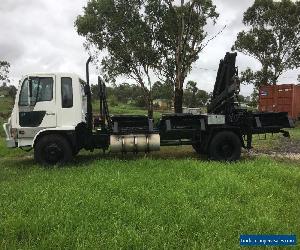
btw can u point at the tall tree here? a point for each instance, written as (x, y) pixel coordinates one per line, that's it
(119, 28)
(272, 37)
(180, 35)
(145, 36)
(4, 72)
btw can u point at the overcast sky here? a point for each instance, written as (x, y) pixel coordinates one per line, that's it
(39, 36)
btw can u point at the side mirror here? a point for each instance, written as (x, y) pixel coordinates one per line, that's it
(30, 88)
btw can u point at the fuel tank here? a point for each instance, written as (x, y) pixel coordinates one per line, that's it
(135, 143)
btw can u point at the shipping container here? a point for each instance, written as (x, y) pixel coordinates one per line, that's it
(280, 98)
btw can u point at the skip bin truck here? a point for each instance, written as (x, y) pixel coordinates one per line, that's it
(53, 115)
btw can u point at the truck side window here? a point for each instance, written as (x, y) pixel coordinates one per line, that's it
(24, 96)
(66, 92)
(45, 89)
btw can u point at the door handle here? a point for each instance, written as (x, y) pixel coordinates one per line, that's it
(50, 113)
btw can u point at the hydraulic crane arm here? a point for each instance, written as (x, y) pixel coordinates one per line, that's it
(226, 88)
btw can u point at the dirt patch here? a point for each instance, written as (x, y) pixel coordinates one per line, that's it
(290, 156)
(287, 145)
(285, 148)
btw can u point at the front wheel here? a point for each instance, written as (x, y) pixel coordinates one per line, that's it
(225, 146)
(52, 149)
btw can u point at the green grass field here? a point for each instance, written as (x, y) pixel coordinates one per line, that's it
(169, 199)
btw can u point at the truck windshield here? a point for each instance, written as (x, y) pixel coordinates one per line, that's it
(24, 94)
(42, 90)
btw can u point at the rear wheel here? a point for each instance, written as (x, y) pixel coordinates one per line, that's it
(225, 146)
(52, 149)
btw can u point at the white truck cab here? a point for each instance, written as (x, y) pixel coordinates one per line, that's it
(53, 115)
(45, 103)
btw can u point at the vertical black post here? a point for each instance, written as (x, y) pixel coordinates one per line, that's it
(249, 140)
(101, 99)
(89, 115)
(100, 96)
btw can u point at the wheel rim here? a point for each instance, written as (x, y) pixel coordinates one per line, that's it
(226, 150)
(53, 153)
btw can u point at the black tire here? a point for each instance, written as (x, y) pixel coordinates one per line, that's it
(225, 146)
(52, 149)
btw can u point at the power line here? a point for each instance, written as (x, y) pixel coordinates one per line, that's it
(205, 69)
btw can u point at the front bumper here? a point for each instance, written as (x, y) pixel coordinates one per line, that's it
(10, 142)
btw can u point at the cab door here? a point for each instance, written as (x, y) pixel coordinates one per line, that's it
(37, 105)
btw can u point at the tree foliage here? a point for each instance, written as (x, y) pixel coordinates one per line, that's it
(119, 28)
(147, 36)
(273, 38)
(123, 93)
(4, 72)
(163, 90)
(12, 91)
(179, 31)
(194, 97)
(256, 78)
(254, 98)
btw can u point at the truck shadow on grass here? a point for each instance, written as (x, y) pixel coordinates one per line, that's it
(168, 153)
(86, 159)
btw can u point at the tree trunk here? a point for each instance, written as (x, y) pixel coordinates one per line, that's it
(178, 100)
(149, 99)
(147, 95)
(149, 102)
(150, 106)
(178, 95)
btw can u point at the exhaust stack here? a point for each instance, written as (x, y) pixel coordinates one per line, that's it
(89, 114)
